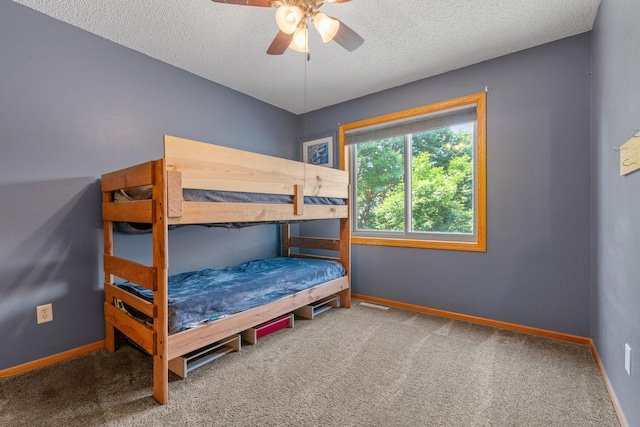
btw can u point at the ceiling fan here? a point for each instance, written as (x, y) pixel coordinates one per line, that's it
(293, 17)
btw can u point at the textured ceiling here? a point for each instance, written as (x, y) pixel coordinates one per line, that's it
(405, 40)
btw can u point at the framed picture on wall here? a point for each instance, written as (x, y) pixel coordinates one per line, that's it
(318, 151)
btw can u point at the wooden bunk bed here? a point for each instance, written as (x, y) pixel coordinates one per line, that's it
(195, 165)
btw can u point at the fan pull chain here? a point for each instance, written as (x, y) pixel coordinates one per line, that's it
(305, 91)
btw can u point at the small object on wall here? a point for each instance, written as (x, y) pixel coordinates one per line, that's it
(44, 313)
(630, 154)
(318, 152)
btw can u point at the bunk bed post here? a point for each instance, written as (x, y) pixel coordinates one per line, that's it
(285, 245)
(345, 259)
(160, 262)
(110, 342)
(345, 227)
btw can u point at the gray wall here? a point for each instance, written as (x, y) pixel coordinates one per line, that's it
(536, 271)
(74, 106)
(615, 316)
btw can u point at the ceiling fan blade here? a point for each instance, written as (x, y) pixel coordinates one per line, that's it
(261, 3)
(339, 1)
(347, 38)
(280, 43)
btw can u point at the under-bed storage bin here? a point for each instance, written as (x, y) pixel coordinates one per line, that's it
(314, 309)
(252, 335)
(197, 358)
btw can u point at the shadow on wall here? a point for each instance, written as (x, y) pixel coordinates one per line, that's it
(49, 253)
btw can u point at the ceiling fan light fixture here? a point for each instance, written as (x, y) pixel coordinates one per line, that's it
(299, 42)
(327, 27)
(288, 18)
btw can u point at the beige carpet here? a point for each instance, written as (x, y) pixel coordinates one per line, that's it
(357, 367)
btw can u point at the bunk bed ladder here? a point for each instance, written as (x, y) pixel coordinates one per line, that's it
(155, 340)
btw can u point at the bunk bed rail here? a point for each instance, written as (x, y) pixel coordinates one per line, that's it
(196, 165)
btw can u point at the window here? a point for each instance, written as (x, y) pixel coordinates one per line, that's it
(419, 176)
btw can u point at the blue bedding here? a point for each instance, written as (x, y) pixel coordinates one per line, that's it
(201, 296)
(238, 197)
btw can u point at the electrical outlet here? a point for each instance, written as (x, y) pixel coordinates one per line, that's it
(44, 313)
(627, 358)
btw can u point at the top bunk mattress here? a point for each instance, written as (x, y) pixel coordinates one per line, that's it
(189, 195)
(193, 195)
(202, 296)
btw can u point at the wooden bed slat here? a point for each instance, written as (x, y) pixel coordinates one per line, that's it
(207, 212)
(315, 243)
(136, 302)
(134, 176)
(137, 273)
(298, 200)
(193, 339)
(130, 211)
(174, 194)
(214, 167)
(310, 256)
(140, 333)
(326, 182)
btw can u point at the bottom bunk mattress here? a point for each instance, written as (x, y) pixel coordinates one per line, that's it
(201, 296)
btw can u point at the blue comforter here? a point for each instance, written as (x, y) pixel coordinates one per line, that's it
(200, 296)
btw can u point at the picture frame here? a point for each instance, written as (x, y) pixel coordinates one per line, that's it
(318, 151)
